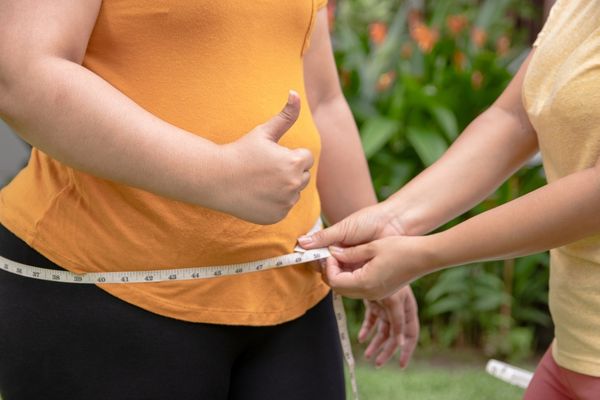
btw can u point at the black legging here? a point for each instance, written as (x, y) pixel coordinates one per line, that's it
(67, 341)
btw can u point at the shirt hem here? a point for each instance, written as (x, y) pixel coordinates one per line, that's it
(573, 363)
(174, 310)
(220, 316)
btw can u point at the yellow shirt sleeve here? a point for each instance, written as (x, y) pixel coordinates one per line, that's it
(550, 21)
(321, 4)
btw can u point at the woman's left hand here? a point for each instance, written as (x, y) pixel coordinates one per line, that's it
(396, 325)
(384, 266)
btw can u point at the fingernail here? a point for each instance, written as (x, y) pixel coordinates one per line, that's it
(291, 96)
(305, 240)
(335, 249)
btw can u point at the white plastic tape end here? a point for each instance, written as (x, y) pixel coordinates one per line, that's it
(508, 373)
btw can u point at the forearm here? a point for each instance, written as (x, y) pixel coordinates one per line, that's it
(559, 213)
(79, 119)
(492, 147)
(343, 178)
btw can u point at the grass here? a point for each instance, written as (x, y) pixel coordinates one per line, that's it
(421, 383)
(431, 379)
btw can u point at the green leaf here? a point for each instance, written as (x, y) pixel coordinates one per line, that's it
(447, 304)
(384, 58)
(490, 12)
(428, 144)
(446, 120)
(489, 303)
(531, 315)
(376, 132)
(450, 282)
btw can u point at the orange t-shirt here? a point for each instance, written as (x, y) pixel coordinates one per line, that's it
(216, 69)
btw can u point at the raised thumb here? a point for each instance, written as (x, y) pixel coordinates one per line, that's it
(277, 126)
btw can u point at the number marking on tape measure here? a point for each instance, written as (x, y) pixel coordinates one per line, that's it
(179, 274)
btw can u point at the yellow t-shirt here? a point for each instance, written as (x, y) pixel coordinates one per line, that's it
(561, 94)
(216, 69)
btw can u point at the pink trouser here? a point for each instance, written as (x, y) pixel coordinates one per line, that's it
(551, 382)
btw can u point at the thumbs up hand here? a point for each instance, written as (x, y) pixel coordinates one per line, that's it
(265, 179)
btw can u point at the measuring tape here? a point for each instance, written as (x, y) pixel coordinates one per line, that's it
(299, 256)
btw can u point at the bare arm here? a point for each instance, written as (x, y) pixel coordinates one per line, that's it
(490, 149)
(78, 118)
(554, 215)
(343, 178)
(557, 214)
(345, 186)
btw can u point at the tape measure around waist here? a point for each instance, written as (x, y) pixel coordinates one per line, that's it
(300, 256)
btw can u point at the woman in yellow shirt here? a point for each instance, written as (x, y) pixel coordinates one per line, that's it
(552, 105)
(151, 151)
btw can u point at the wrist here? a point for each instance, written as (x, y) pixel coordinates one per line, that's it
(440, 252)
(416, 215)
(405, 219)
(431, 258)
(217, 176)
(388, 217)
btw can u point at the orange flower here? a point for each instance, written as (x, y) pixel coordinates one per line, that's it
(477, 79)
(425, 37)
(345, 77)
(502, 45)
(459, 60)
(406, 51)
(378, 32)
(415, 17)
(478, 36)
(456, 23)
(331, 14)
(385, 81)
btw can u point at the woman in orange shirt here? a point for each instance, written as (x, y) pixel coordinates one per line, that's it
(151, 151)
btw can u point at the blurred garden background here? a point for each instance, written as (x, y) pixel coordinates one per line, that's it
(415, 74)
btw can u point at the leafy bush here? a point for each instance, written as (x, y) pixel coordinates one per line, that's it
(415, 74)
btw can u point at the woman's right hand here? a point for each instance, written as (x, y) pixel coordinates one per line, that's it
(364, 226)
(263, 180)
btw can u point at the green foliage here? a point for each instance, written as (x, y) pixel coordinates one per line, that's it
(415, 73)
(425, 381)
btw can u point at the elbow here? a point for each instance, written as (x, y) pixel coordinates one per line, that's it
(21, 79)
(328, 106)
(10, 81)
(4, 94)
(10, 64)
(20, 74)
